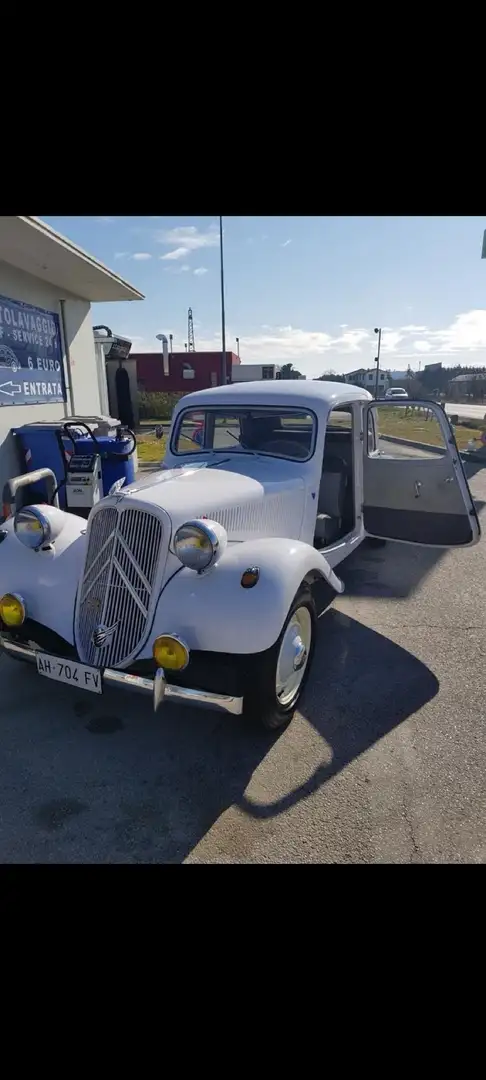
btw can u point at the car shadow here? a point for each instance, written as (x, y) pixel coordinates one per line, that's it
(207, 762)
(362, 687)
(142, 788)
(394, 570)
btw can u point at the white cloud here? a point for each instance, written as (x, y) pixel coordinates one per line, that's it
(390, 340)
(468, 331)
(121, 254)
(315, 351)
(141, 256)
(189, 237)
(351, 340)
(200, 270)
(105, 220)
(177, 253)
(286, 243)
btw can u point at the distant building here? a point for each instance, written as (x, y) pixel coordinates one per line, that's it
(468, 385)
(187, 371)
(255, 372)
(366, 377)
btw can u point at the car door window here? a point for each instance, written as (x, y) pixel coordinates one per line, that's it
(415, 489)
(406, 430)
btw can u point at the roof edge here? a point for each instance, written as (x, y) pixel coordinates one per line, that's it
(42, 226)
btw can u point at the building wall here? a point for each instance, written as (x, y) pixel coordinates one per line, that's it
(205, 365)
(255, 372)
(81, 372)
(367, 379)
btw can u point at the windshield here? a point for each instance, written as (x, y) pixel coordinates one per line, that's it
(283, 433)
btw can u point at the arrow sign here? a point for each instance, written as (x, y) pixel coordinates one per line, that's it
(15, 388)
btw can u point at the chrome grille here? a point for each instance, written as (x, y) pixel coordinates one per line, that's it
(122, 560)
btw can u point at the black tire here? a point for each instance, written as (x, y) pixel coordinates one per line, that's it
(261, 704)
(376, 541)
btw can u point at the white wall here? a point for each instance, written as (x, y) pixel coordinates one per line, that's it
(16, 285)
(250, 372)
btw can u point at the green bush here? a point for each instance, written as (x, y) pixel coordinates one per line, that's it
(156, 406)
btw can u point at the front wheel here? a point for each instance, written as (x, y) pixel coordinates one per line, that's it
(278, 676)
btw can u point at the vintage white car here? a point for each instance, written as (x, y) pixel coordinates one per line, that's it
(203, 582)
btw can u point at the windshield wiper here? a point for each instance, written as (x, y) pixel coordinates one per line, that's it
(246, 449)
(214, 464)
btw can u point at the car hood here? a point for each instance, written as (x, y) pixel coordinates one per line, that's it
(244, 505)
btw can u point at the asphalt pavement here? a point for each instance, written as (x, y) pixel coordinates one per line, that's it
(467, 412)
(384, 763)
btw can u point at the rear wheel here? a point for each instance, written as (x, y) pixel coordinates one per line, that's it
(278, 676)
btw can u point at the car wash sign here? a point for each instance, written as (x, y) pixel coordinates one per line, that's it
(31, 370)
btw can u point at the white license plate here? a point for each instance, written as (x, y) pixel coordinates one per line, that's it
(68, 671)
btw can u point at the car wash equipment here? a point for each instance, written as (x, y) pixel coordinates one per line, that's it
(94, 462)
(83, 482)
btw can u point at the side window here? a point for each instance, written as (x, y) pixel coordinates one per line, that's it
(340, 419)
(339, 437)
(406, 431)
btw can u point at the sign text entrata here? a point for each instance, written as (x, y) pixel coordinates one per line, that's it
(31, 371)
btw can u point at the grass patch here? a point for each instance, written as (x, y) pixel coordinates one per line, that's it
(150, 449)
(416, 427)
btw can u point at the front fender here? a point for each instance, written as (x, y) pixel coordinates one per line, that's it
(212, 611)
(46, 580)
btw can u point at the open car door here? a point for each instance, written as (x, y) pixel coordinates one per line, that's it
(418, 496)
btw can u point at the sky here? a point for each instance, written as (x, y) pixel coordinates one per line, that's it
(305, 290)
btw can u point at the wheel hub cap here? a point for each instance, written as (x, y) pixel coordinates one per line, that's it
(293, 656)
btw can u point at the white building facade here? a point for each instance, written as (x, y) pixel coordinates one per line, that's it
(49, 368)
(367, 378)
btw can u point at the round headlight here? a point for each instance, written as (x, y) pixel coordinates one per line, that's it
(170, 652)
(32, 527)
(199, 544)
(12, 609)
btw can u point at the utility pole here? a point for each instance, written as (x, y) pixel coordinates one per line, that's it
(238, 347)
(377, 360)
(223, 319)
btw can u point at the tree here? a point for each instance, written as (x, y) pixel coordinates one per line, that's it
(287, 371)
(330, 376)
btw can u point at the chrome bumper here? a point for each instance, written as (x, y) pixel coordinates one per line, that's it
(159, 689)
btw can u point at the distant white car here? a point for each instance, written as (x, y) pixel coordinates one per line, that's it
(396, 392)
(203, 583)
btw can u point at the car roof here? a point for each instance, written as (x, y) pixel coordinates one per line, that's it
(311, 393)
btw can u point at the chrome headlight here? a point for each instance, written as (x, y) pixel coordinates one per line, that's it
(199, 544)
(36, 526)
(32, 527)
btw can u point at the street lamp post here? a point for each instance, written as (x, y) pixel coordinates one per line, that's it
(223, 320)
(377, 360)
(238, 347)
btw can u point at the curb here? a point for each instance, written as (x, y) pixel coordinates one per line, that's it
(473, 456)
(411, 442)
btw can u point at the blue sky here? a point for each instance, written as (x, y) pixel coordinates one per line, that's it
(308, 290)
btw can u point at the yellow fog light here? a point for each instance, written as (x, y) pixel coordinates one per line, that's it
(12, 609)
(170, 653)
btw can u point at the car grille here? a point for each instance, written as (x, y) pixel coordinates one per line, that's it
(117, 591)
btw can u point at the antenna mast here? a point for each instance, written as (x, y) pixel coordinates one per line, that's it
(191, 347)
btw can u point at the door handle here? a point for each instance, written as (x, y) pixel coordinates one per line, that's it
(417, 487)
